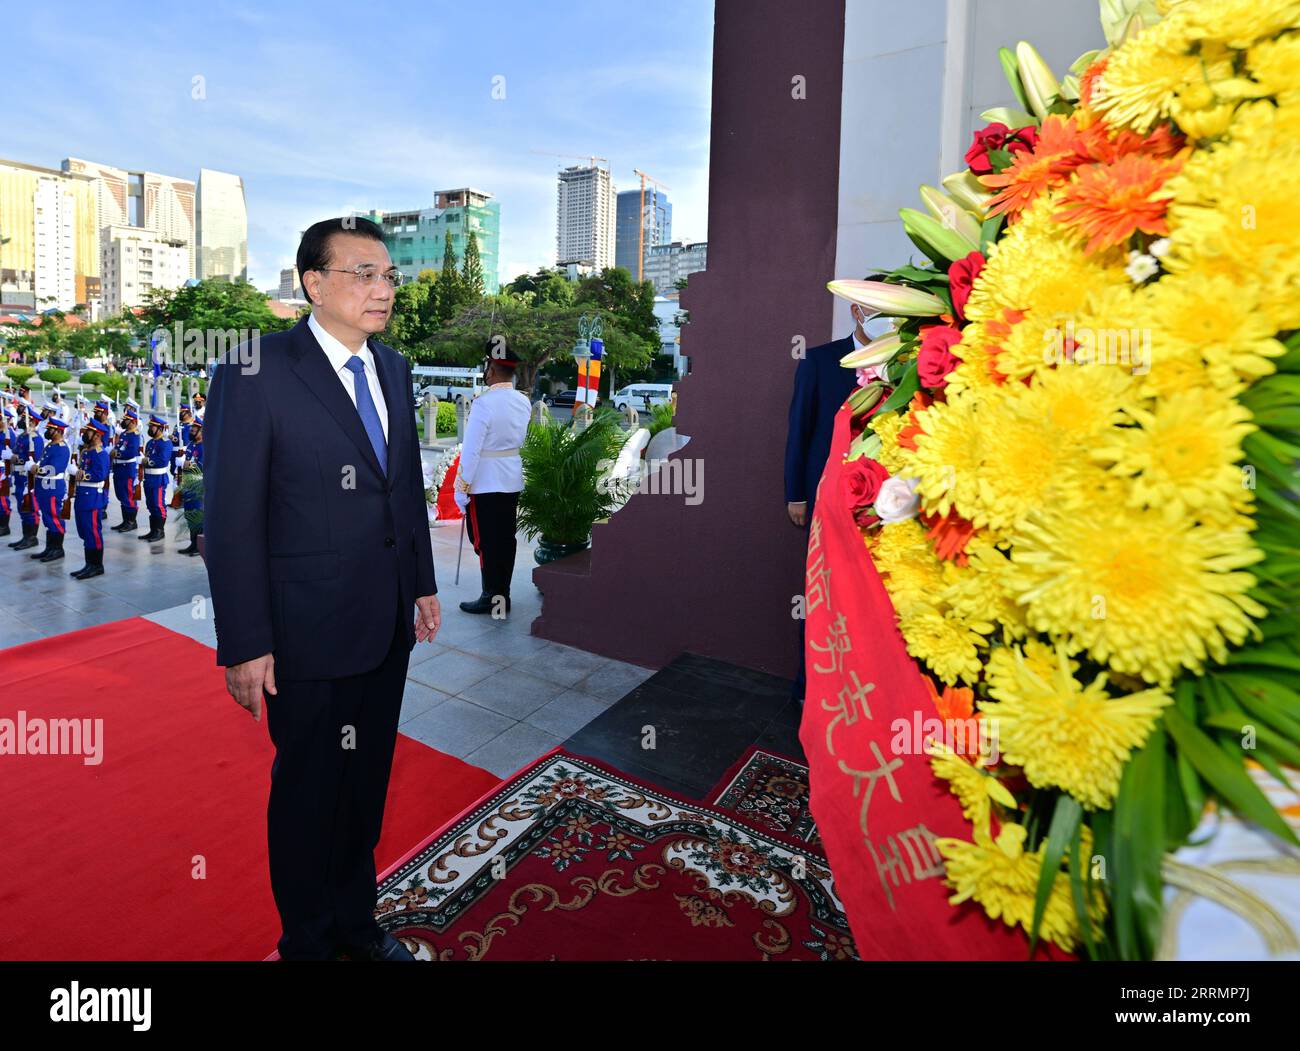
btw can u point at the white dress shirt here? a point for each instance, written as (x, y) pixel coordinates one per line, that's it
(496, 428)
(339, 356)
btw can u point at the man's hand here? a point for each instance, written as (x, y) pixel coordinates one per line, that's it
(245, 682)
(798, 513)
(462, 501)
(428, 618)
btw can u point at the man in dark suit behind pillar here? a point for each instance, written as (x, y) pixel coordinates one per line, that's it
(820, 387)
(321, 569)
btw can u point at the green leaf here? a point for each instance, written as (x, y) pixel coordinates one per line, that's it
(1226, 776)
(1140, 841)
(1236, 723)
(907, 386)
(989, 230)
(1078, 891)
(1064, 829)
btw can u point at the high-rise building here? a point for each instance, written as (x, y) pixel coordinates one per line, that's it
(656, 219)
(584, 217)
(416, 238)
(160, 203)
(49, 240)
(290, 285)
(134, 261)
(221, 220)
(665, 265)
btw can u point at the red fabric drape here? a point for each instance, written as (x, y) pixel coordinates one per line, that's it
(877, 804)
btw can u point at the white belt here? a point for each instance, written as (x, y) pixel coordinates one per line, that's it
(495, 454)
(157, 470)
(90, 485)
(134, 459)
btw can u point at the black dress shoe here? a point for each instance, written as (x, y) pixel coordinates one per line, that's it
(386, 948)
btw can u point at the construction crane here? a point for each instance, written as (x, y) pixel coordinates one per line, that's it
(591, 158)
(640, 240)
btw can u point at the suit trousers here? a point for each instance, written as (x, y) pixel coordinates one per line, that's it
(490, 522)
(334, 741)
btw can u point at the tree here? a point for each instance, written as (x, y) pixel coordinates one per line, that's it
(411, 320)
(546, 287)
(213, 305)
(539, 336)
(472, 271)
(449, 284)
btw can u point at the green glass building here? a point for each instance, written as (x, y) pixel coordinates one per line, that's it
(415, 239)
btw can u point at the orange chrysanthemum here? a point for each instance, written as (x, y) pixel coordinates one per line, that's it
(950, 534)
(1000, 330)
(1107, 147)
(1089, 80)
(956, 702)
(907, 436)
(1061, 147)
(1108, 203)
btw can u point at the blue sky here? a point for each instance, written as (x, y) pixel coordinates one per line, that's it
(332, 106)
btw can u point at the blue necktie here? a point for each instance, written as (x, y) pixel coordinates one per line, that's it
(369, 414)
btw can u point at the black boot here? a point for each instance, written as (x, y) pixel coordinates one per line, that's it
(94, 566)
(4, 526)
(127, 525)
(155, 530)
(193, 548)
(54, 548)
(29, 537)
(482, 604)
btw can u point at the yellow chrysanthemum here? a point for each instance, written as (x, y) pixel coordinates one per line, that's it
(981, 589)
(1148, 596)
(1040, 265)
(1143, 76)
(1184, 453)
(1235, 218)
(1066, 735)
(1029, 463)
(948, 644)
(1002, 877)
(1003, 663)
(911, 572)
(1235, 23)
(975, 788)
(1275, 65)
(886, 426)
(949, 452)
(1209, 318)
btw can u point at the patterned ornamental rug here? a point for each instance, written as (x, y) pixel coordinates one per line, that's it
(572, 860)
(770, 791)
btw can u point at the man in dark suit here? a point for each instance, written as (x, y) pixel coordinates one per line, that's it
(318, 555)
(820, 387)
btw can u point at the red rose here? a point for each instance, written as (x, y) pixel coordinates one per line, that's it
(961, 275)
(998, 136)
(934, 360)
(862, 481)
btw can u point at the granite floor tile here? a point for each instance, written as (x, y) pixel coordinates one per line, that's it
(511, 692)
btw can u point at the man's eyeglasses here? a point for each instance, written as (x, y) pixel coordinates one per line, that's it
(368, 275)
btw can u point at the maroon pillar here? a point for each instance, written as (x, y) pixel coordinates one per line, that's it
(719, 577)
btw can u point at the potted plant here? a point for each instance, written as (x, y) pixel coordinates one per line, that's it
(565, 491)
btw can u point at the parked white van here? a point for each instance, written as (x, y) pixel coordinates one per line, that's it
(643, 396)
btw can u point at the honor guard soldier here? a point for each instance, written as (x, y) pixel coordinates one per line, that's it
(491, 475)
(157, 465)
(52, 488)
(103, 412)
(126, 460)
(181, 438)
(90, 500)
(193, 501)
(8, 435)
(28, 448)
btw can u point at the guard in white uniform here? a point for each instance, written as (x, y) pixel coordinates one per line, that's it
(491, 476)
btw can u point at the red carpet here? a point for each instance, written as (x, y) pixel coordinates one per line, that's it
(570, 859)
(99, 861)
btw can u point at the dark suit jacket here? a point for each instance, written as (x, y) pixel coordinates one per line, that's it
(820, 387)
(311, 551)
